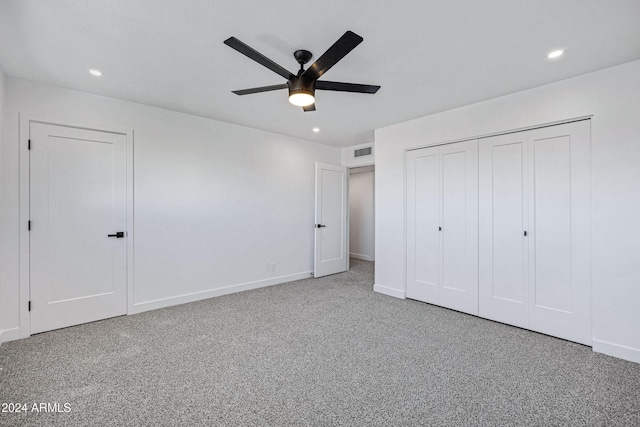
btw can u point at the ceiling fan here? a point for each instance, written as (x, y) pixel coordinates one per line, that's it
(302, 86)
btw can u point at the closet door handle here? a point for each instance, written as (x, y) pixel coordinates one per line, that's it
(118, 235)
(439, 228)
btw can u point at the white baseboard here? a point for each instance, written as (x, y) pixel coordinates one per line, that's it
(396, 293)
(198, 296)
(616, 350)
(362, 257)
(10, 335)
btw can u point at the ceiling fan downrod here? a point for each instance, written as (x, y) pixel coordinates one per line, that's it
(302, 56)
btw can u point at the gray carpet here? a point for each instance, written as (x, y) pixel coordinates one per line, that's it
(320, 352)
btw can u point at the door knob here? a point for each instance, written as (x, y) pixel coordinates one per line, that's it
(118, 235)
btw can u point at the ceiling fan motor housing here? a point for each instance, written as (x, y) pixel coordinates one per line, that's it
(299, 84)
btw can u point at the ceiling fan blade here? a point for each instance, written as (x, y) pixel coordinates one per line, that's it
(257, 56)
(335, 53)
(311, 107)
(346, 87)
(260, 89)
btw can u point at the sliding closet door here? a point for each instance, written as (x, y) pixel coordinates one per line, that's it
(459, 226)
(560, 226)
(503, 173)
(423, 258)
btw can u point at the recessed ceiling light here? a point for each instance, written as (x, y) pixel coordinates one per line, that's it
(555, 54)
(316, 130)
(96, 73)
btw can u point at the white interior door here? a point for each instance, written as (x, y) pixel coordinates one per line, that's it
(560, 226)
(503, 212)
(77, 198)
(331, 220)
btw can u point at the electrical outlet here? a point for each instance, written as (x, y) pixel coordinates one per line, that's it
(267, 266)
(274, 266)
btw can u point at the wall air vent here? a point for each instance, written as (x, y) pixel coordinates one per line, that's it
(362, 152)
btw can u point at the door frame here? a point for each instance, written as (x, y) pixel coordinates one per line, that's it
(25, 120)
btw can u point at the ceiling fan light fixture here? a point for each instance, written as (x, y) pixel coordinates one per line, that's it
(301, 92)
(302, 99)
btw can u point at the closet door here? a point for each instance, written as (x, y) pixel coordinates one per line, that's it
(423, 257)
(459, 226)
(503, 210)
(442, 230)
(560, 226)
(537, 182)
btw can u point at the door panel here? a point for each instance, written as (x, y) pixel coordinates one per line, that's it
(332, 206)
(508, 224)
(552, 200)
(560, 217)
(77, 197)
(459, 222)
(331, 212)
(70, 159)
(502, 218)
(453, 221)
(422, 225)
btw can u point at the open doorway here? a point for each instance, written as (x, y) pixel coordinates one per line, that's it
(362, 213)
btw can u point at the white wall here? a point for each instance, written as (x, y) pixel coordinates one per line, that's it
(348, 158)
(361, 213)
(611, 96)
(2, 103)
(213, 201)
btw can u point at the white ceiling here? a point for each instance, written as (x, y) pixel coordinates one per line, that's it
(428, 55)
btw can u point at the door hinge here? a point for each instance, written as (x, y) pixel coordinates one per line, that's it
(29, 305)
(29, 225)
(29, 145)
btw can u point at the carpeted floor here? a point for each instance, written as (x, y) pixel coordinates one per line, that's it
(320, 352)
